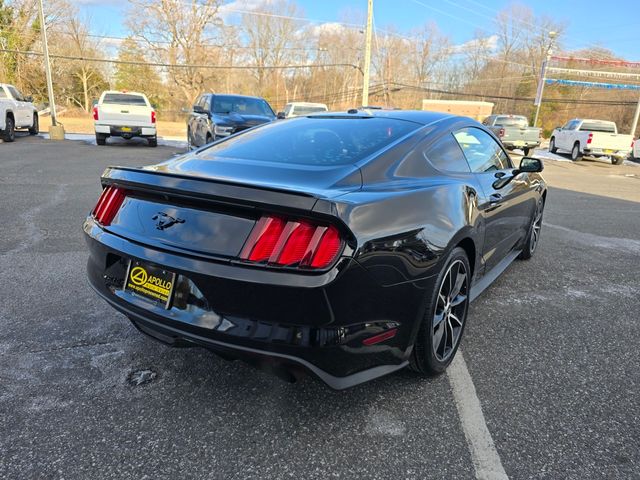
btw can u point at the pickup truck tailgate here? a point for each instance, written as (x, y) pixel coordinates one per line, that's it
(131, 115)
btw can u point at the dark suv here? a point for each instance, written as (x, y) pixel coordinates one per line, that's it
(216, 116)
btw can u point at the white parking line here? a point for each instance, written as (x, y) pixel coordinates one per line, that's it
(484, 455)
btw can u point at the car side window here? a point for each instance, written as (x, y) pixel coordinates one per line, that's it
(445, 154)
(16, 94)
(207, 103)
(3, 94)
(483, 153)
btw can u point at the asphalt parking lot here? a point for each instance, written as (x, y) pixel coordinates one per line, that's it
(551, 349)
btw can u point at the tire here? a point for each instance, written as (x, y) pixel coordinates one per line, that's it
(35, 126)
(552, 145)
(617, 161)
(152, 141)
(189, 144)
(576, 156)
(532, 240)
(437, 341)
(9, 134)
(209, 139)
(101, 138)
(526, 151)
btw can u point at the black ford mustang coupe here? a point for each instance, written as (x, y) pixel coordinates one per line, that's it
(346, 245)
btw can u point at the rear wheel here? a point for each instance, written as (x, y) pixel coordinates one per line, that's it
(209, 139)
(526, 151)
(576, 156)
(533, 237)
(101, 138)
(617, 160)
(9, 134)
(35, 126)
(153, 141)
(445, 316)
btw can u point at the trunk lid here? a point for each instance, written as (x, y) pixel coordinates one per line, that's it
(130, 115)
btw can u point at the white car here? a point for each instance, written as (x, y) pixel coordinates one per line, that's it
(126, 115)
(635, 151)
(594, 138)
(16, 111)
(300, 109)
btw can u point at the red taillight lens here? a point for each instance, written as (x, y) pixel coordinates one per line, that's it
(153, 116)
(95, 113)
(292, 243)
(589, 138)
(501, 133)
(108, 205)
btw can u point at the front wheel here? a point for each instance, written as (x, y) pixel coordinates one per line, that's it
(533, 237)
(9, 134)
(445, 316)
(35, 126)
(552, 145)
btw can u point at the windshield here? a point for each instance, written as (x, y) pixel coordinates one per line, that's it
(598, 127)
(520, 122)
(224, 104)
(315, 141)
(124, 99)
(300, 110)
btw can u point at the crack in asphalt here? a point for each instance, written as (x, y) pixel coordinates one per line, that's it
(63, 347)
(626, 244)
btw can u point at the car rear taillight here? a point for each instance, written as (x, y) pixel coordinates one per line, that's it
(95, 113)
(108, 205)
(297, 243)
(153, 116)
(589, 138)
(501, 133)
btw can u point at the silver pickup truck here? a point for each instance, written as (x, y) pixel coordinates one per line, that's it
(514, 132)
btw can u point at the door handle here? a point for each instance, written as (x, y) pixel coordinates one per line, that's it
(495, 198)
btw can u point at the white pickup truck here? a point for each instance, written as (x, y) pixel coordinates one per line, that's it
(594, 138)
(126, 115)
(16, 111)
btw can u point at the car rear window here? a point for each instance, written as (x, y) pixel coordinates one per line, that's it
(598, 127)
(520, 122)
(224, 104)
(124, 99)
(315, 141)
(2, 93)
(304, 110)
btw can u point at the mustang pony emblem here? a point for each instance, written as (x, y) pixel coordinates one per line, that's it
(164, 220)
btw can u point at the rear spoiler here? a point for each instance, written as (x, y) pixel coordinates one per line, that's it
(219, 191)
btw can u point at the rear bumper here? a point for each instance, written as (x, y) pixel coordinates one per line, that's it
(520, 144)
(116, 130)
(311, 322)
(600, 152)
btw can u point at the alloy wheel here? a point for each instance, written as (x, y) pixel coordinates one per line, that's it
(451, 307)
(536, 228)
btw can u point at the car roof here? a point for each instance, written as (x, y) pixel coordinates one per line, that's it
(307, 104)
(232, 95)
(123, 92)
(423, 117)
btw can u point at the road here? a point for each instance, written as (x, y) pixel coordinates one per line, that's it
(550, 350)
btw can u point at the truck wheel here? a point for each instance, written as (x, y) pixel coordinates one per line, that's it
(526, 151)
(576, 156)
(101, 138)
(153, 141)
(552, 145)
(35, 126)
(617, 160)
(10, 130)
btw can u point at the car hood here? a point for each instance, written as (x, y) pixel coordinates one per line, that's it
(320, 181)
(238, 120)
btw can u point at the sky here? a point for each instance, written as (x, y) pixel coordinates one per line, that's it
(614, 25)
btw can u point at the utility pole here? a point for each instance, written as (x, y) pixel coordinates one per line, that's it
(367, 55)
(543, 77)
(634, 124)
(56, 132)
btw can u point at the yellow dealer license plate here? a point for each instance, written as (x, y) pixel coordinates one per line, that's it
(125, 129)
(149, 282)
(608, 151)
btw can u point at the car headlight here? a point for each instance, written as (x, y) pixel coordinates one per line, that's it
(222, 130)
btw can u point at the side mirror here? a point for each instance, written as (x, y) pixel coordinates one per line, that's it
(530, 165)
(198, 109)
(28, 98)
(280, 116)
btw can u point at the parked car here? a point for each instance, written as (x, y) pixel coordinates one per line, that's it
(16, 111)
(216, 116)
(345, 244)
(595, 138)
(514, 131)
(124, 114)
(301, 109)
